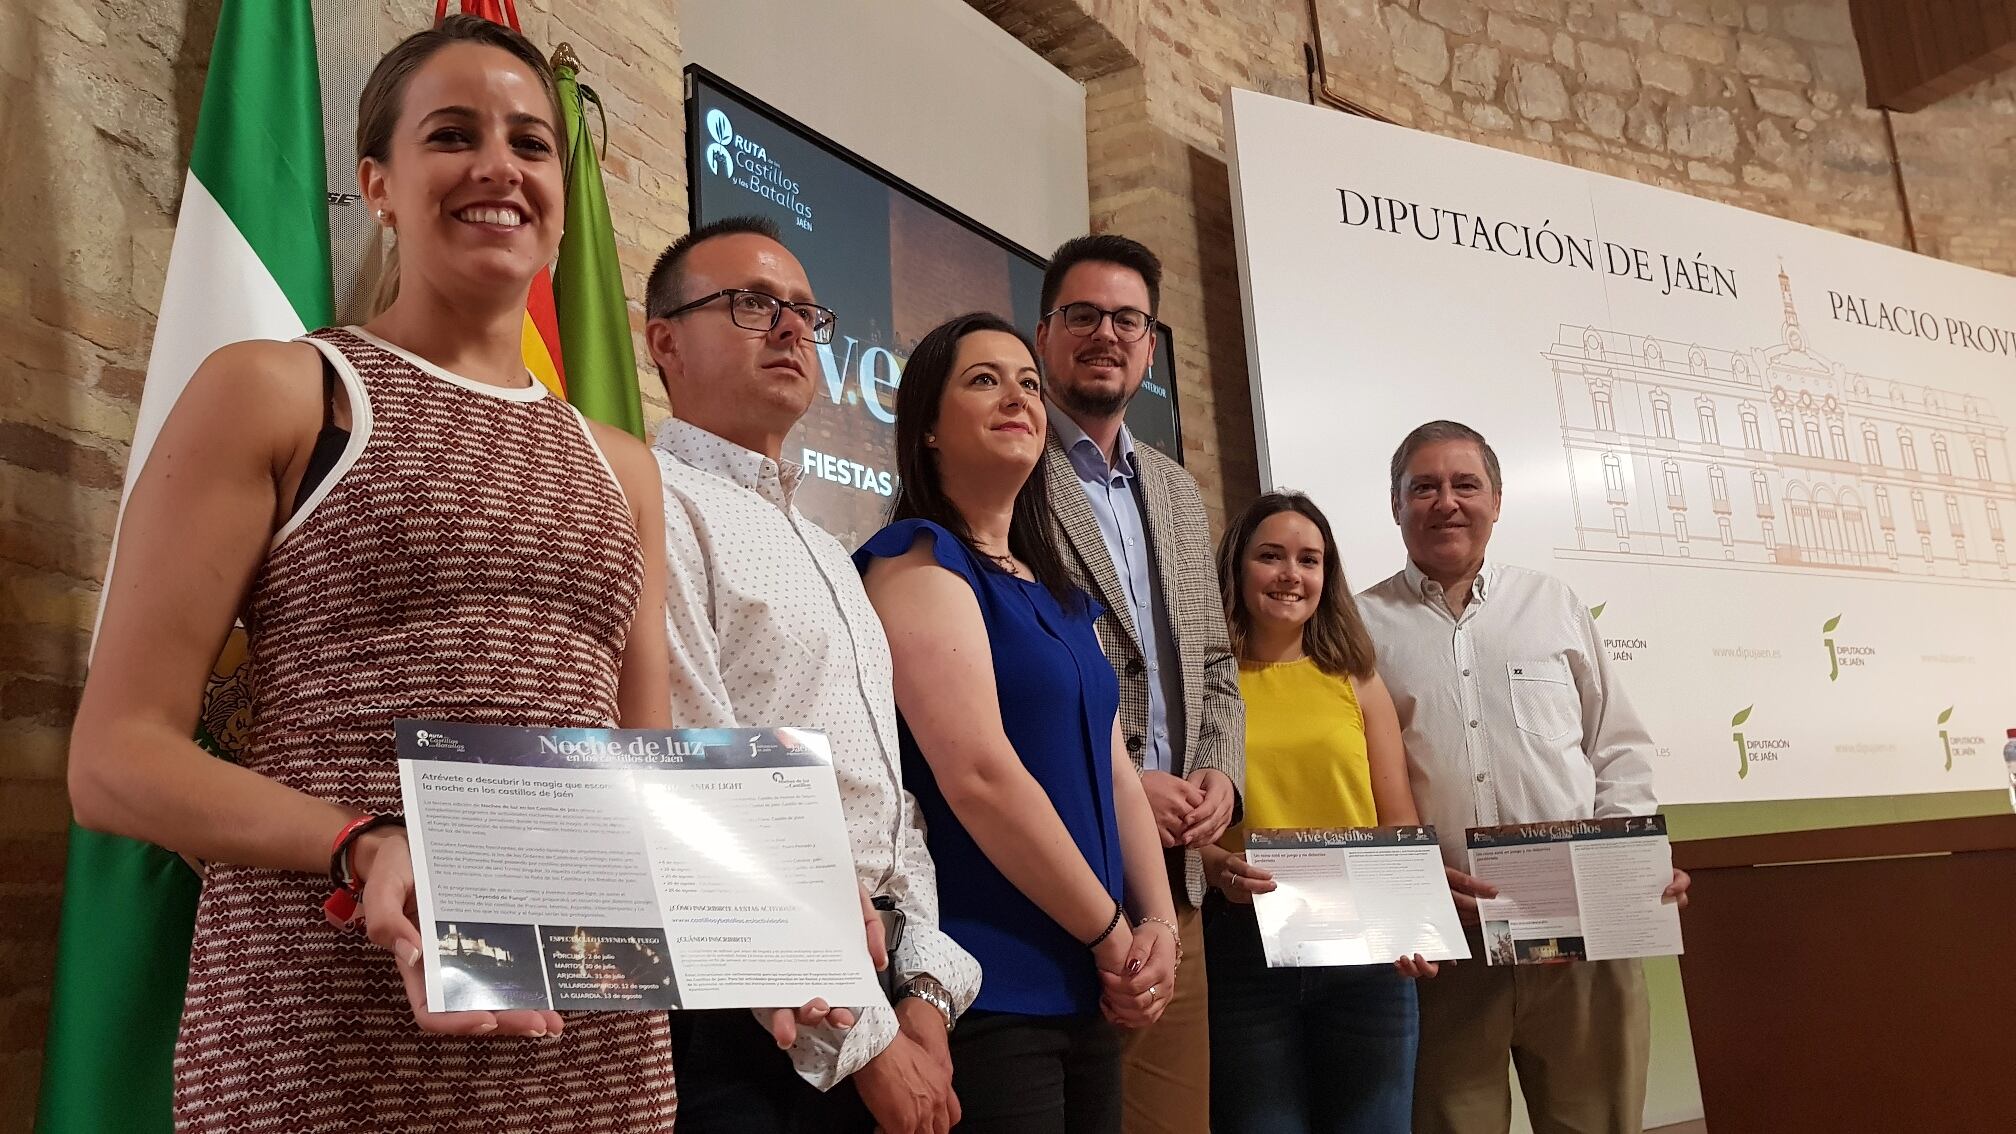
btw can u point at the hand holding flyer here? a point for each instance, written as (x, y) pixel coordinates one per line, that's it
(1354, 896)
(1582, 890)
(624, 870)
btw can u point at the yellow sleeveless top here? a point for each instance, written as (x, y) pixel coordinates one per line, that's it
(1306, 761)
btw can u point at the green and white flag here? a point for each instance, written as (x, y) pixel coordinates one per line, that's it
(588, 284)
(251, 252)
(250, 261)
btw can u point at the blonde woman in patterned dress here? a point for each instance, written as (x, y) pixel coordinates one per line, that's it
(475, 550)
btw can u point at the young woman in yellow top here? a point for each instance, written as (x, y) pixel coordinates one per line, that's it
(1304, 1050)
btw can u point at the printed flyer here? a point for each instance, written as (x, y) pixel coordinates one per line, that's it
(1353, 896)
(624, 870)
(1583, 890)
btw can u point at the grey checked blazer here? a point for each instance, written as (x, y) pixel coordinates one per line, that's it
(1214, 718)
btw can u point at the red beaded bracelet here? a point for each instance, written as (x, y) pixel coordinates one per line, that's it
(341, 907)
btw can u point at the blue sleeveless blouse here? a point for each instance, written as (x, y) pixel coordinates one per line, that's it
(1058, 697)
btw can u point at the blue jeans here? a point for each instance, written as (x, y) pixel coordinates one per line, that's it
(1304, 1051)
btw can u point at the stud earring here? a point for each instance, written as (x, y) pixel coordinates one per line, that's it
(384, 217)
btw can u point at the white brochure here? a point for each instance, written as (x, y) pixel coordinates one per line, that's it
(623, 870)
(1354, 896)
(1585, 890)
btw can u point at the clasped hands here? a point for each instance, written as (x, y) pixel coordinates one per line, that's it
(1190, 812)
(1137, 973)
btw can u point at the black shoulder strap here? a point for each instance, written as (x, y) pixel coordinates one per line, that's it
(328, 394)
(330, 441)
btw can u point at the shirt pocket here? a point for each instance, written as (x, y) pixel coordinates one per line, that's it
(1544, 701)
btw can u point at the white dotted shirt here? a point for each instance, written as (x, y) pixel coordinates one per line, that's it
(770, 627)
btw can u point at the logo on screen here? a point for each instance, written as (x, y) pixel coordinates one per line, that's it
(1963, 745)
(747, 164)
(1753, 749)
(719, 160)
(1842, 653)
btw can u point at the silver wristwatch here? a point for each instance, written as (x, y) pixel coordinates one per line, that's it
(928, 990)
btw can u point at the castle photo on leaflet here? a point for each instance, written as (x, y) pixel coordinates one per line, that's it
(1777, 459)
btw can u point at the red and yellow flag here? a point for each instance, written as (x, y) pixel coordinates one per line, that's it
(541, 340)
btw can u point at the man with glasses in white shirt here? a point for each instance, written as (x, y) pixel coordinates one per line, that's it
(1511, 714)
(769, 626)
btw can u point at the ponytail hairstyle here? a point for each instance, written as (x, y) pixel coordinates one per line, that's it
(384, 99)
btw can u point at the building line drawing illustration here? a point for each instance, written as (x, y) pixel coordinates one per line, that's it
(1777, 458)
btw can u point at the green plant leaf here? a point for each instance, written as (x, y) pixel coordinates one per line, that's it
(1831, 624)
(1596, 611)
(1737, 720)
(1947, 715)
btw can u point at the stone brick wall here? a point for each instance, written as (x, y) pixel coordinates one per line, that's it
(1154, 133)
(94, 115)
(1758, 104)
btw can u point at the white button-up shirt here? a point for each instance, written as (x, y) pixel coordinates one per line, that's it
(770, 627)
(1511, 712)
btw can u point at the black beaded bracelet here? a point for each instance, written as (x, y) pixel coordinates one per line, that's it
(1119, 913)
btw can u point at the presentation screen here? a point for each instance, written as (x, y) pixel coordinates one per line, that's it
(893, 263)
(1773, 461)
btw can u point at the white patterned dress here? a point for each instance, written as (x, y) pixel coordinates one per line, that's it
(470, 558)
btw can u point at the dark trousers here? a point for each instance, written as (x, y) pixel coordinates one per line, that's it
(1035, 1074)
(734, 1080)
(1306, 1050)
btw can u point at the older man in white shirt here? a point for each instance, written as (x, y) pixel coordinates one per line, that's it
(769, 626)
(1511, 714)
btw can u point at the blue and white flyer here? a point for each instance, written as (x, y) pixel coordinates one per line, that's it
(583, 869)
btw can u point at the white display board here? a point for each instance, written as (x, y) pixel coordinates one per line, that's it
(1773, 460)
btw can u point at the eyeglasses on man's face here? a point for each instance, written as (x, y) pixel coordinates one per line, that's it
(761, 311)
(1081, 319)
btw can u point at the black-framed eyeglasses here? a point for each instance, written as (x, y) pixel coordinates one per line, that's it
(761, 311)
(1081, 319)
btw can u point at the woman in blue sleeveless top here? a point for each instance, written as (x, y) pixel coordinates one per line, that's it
(1049, 868)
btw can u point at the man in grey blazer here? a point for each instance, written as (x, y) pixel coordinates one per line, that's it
(1136, 536)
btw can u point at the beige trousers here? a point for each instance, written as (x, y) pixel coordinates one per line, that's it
(1168, 1066)
(1579, 1035)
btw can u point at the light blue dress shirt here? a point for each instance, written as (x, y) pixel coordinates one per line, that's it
(1115, 495)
